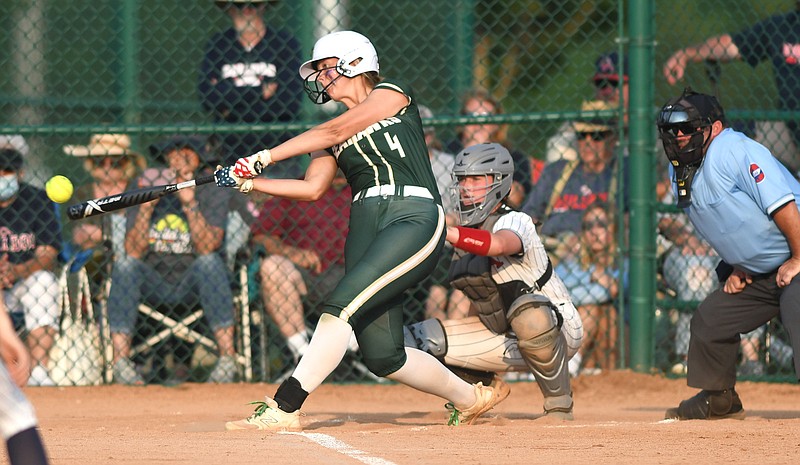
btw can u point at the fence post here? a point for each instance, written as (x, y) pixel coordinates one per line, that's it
(642, 182)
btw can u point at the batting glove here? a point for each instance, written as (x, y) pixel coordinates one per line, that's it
(250, 167)
(226, 177)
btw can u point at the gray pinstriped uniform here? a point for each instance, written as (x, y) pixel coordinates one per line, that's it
(16, 413)
(529, 266)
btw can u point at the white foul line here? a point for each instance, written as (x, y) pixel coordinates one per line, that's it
(336, 445)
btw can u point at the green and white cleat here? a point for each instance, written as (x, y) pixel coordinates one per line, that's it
(269, 417)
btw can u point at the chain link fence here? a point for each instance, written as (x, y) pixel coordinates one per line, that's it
(112, 94)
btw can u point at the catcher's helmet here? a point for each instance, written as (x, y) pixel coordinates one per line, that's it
(492, 161)
(356, 55)
(689, 114)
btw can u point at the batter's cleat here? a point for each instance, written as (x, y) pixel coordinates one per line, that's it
(268, 416)
(709, 405)
(487, 398)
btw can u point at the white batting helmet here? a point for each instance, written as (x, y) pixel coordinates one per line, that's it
(347, 46)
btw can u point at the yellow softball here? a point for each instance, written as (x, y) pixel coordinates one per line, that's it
(59, 188)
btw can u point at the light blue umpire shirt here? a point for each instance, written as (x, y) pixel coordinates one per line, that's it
(736, 189)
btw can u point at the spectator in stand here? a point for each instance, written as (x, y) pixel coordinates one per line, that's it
(610, 86)
(248, 77)
(478, 102)
(95, 241)
(174, 258)
(304, 243)
(593, 280)
(775, 39)
(567, 187)
(31, 241)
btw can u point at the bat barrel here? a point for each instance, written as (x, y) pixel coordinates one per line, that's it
(130, 198)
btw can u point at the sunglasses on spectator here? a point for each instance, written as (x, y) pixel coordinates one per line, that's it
(112, 162)
(595, 135)
(606, 83)
(243, 5)
(681, 129)
(589, 224)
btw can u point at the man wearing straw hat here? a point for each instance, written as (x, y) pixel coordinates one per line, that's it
(111, 163)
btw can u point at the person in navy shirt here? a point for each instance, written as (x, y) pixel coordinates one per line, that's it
(30, 240)
(743, 201)
(248, 77)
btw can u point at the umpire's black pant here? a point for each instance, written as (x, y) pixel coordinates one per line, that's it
(721, 318)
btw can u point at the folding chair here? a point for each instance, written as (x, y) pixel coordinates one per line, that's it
(185, 328)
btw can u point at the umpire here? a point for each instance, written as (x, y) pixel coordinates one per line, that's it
(743, 201)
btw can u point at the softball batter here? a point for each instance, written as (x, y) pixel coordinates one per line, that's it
(396, 230)
(526, 320)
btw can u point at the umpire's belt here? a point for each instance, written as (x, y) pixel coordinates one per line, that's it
(393, 190)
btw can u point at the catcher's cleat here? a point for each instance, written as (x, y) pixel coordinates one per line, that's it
(268, 416)
(559, 407)
(487, 398)
(709, 405)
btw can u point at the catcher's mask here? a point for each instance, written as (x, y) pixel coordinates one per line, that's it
(682, 125)
(494, 163)
(355, 54)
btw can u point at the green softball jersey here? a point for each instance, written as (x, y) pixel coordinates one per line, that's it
(389, 152)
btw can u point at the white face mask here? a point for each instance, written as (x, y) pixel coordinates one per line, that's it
(9, 186)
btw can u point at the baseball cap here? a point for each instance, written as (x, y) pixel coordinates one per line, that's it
(10, 159)
(607, 67)
(193, 142)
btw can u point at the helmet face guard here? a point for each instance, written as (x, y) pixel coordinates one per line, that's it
(495, 165)
(315, 90)
(682, 126)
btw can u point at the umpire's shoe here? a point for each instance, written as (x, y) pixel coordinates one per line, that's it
(268, 416)
(709, 405)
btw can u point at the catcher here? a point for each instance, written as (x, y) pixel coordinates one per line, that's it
(526, 320)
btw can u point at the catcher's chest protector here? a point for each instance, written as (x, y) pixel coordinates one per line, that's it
(472, 274)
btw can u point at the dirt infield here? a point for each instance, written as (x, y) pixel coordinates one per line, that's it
(618, 420)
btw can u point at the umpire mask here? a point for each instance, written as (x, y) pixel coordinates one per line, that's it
(682, 125)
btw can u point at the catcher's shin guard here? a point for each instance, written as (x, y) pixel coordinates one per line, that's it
(535, 321)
